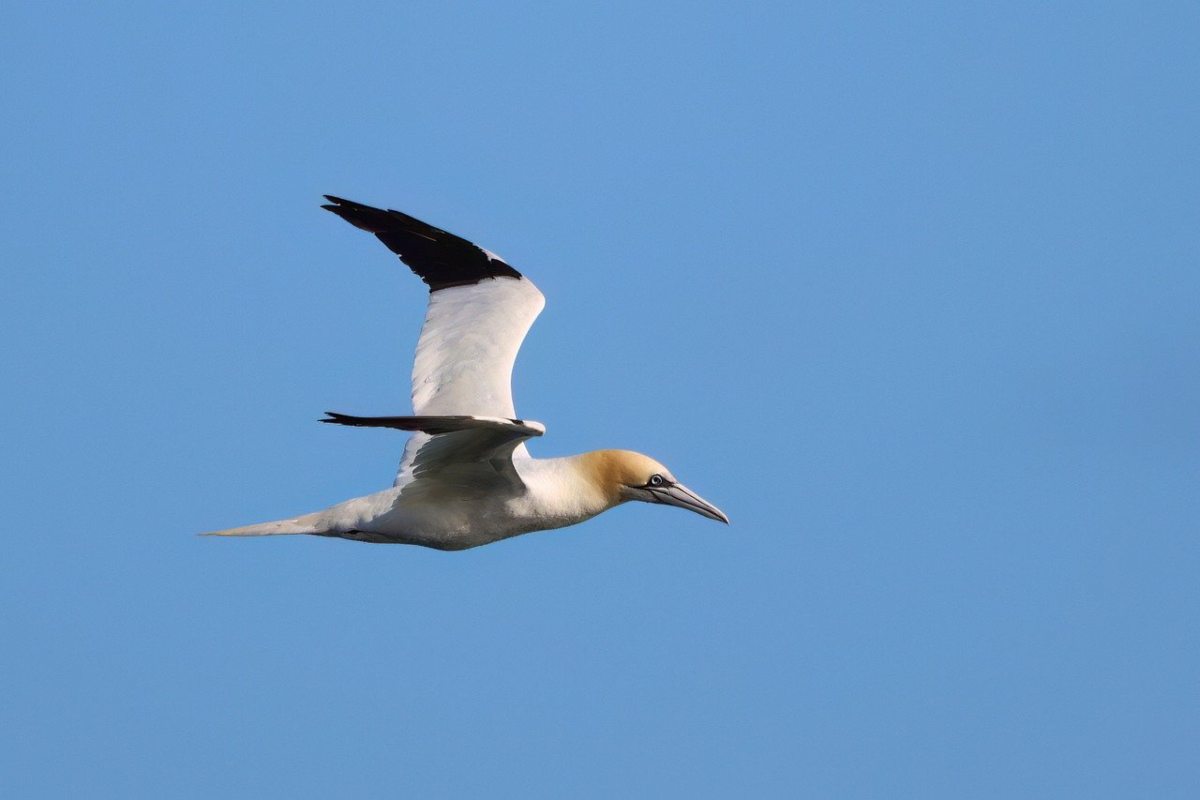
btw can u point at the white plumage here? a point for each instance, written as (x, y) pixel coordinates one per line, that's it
(469, 344)
(466, 478)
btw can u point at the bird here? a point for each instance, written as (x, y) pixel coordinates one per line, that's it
(466, 478)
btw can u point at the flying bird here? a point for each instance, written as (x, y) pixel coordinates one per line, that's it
(466, 478)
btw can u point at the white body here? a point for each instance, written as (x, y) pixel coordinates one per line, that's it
(555, 495)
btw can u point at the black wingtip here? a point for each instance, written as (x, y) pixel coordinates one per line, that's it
(367, 218)
(438, 257)
(333, 198)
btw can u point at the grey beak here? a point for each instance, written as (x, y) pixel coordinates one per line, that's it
(679, 495)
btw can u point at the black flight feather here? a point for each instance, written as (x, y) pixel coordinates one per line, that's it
(437, 424)
(438, 257)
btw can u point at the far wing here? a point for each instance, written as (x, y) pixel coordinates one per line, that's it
(480, 309)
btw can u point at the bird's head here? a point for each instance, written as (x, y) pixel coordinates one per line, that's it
(626, 475)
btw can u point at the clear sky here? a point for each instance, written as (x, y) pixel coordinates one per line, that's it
(912, 294)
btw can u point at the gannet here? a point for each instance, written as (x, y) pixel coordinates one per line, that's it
(466, 478)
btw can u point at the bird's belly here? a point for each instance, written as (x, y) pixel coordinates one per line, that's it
(449, 524)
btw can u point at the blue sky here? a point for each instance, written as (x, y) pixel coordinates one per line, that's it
(910, 293)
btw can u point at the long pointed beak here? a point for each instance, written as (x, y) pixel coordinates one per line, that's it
(679, 495)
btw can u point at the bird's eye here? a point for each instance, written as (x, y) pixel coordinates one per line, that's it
(655, 480)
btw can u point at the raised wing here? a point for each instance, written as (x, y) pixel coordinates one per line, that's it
(480, 309)
(468, 346)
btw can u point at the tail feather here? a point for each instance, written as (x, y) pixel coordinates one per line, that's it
(280, 527)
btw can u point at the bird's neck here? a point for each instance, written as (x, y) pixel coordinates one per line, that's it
(567, 490)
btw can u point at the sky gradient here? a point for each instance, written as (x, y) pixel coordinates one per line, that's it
(912, 295)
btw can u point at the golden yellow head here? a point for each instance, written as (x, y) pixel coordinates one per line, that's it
(625, 475)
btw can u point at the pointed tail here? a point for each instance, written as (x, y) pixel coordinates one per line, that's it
(280, 527)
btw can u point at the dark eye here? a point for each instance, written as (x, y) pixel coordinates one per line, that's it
(655, 480)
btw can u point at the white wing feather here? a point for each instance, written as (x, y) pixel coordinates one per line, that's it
(468, 345)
